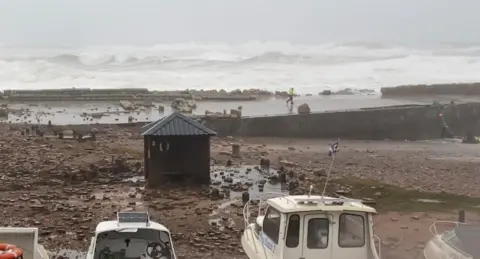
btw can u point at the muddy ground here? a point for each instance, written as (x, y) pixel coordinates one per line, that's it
(65, 187)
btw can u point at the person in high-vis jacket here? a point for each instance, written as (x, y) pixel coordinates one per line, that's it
(290, 96)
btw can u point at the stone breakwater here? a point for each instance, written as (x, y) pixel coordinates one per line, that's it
(412, 122)
(131, 94)
(407, 122)
(435, 89)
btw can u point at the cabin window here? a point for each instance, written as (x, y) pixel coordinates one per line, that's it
(271, 224)
(293, 231)
(318, 232)
(351, 232)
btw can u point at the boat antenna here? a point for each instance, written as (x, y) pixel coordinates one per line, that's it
(332, 150)
(310, 192)
(148, 216)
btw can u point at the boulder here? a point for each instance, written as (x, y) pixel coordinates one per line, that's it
(185, 109)
(126, 105)
(177, 103)
(236, 113)
(303, 109)
(325, 92)
(191, 103)
(346, 91)
(183, 106)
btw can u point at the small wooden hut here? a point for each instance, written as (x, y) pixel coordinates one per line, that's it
(176, 146)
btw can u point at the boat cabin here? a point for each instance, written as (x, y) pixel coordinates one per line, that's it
(311, 227)
(131, 236)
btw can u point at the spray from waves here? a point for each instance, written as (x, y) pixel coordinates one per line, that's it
(246, 53)
(270, 66)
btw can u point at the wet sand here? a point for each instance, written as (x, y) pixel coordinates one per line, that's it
(90, 186)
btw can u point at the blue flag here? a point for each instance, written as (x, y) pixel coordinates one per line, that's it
(333, 149)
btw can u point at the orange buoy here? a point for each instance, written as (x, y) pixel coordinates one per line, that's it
(8, 251)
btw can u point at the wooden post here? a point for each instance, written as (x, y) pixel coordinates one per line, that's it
(236, 150)
(245, 197)
(265, 163)
(461, 216)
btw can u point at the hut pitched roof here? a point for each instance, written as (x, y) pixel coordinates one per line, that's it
(176, 124)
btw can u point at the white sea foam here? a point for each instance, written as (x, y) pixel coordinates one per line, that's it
(263, 65)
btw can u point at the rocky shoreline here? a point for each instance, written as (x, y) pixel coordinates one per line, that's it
(134, 94)
(121, 112)
(143, 94)
(66, 186)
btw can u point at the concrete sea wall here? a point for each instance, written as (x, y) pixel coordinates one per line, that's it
(397, 123)
(436, 89)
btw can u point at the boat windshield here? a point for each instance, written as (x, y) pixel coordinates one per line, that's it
(451, 238)
(133, 243)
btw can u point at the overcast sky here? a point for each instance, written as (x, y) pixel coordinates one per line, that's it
(147, 22)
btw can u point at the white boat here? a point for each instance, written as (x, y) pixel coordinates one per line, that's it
(21, 243)
(132, 235)
(309, 227)
(460, 242)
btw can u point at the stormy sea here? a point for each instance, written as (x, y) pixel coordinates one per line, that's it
(261, 65)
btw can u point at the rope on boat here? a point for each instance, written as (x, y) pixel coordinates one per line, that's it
(332, 150)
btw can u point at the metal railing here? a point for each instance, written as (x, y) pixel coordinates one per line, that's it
(262, 201)
(433, 227)
(379, 241)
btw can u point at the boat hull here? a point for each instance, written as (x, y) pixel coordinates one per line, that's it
(251, 245)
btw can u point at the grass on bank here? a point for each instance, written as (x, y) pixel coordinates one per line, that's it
(394, 198)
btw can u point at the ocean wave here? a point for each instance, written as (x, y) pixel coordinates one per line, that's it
(269, 65)
(253, 52)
